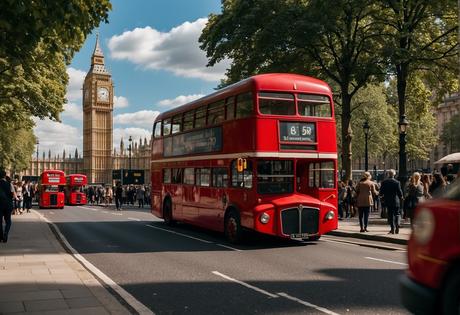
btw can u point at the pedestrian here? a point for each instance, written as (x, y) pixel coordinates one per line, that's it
(118, 196)
(108, 196)
(7, 195)
(365, 190)
(27, 195)
(391, 193)
(350, 196)
(140, 194)
(414, 195)
(342, 197)
(438, 185)
(426, 186)
(19, 198)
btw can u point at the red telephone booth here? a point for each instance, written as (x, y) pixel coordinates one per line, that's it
(51, 189)
(75, 194)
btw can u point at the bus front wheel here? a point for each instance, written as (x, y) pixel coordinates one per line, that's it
(167, 213)
(233, 229)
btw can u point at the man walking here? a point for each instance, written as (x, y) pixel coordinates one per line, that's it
(390, 190)
(118, 196)
(6, 205)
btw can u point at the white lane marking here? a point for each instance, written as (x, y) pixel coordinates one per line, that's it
(105, 211)
(131, 300)
(217, 273)
(92, 209)
(319, 308)
(184, 235)
(388, 261)
(117, 213)
(366, 244)
(133, 219)
(229, 247)
(51, 212)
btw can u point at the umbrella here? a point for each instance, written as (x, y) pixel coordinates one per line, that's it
(451, 158)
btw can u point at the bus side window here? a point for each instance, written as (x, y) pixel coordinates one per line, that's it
(230, 108)
(188, 121)
(219, 177)
(241, 179)
(200, 117)
(176, 124)
(167, 127)
(321, 175)
(176, 176)
(203, 177)
(157, 130)
(189, 176)
(244, 105)
(216, 112)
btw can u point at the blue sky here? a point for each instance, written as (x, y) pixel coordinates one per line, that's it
(151, 50)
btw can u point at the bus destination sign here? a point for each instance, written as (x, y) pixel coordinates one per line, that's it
(297, 131)
(195, 142)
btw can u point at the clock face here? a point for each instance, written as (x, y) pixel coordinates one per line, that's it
(103, 94)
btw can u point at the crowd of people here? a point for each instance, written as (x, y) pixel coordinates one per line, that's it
(122, 194)
(388, 197)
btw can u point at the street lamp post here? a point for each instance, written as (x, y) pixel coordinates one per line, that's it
(366, 152)
(37, 143)
(129, 150)
(402, 128)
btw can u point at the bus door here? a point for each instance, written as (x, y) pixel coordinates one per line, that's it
(211, 184)
(175, 190)
(190, 195)
(317, 178)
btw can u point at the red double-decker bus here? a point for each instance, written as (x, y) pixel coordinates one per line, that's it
(74, 191)
(51, 189)
(259, 155)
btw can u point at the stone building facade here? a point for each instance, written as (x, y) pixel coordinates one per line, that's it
(99, 157)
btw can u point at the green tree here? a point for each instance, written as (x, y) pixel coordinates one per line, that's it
(450, 134)
(332, 39)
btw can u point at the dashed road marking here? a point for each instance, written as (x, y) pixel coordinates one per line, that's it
(387, 261)
(319, 308)
(133, 219)
(177, 233)
(229, 247)
(247, 285)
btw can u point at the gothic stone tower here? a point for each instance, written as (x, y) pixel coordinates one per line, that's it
(98, 120)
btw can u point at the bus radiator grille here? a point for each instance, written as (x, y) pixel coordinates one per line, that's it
(53, 200)
(309, 221)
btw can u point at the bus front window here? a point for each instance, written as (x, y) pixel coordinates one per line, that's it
(321, 175)
(275, 177)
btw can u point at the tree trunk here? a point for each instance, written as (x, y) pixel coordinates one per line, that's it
(346, 134)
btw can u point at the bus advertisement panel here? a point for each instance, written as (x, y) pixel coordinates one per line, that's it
(260, 155)
(75, 194)
(51, 189)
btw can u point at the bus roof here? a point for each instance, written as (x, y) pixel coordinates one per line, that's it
(267, 82)
(52, 177)
(77, 180)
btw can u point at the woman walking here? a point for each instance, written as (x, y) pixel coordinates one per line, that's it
(365, 189)
(415, 194)
(7, 195)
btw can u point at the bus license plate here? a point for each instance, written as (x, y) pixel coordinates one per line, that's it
(299, 235)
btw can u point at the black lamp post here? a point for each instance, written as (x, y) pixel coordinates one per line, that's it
(402, 128)
(129, 150)
(366, 152)
(37, 143)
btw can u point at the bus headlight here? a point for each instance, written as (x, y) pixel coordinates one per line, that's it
(264, 218)
(330, 215)
(423, 226)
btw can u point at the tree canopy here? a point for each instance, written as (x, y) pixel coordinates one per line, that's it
(38, 40)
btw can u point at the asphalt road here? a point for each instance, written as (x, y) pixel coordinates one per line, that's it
(185, 270)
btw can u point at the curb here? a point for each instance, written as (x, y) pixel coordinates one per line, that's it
(369, 237)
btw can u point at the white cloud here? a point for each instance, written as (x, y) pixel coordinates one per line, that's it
(180, 100)
(76, 79)
(57, 137)
(176, 51)
(73, 111)
(135, 133)
(120, 102)
(142, 119)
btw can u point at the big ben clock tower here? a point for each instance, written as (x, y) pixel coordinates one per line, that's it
(98, 120)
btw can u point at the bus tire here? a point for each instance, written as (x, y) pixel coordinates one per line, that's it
(451, 295)
(167, 212)
(232, 228)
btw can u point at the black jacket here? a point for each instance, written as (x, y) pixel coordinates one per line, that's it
(391, 191)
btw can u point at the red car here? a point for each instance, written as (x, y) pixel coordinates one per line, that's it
(431, 285)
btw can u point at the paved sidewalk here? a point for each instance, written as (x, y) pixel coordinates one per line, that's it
(378, 230)
(37, 276)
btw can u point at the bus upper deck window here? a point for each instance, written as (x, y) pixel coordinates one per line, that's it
(188, 121)
(244, 105)
(166, 127)
(200, 117)
(276, 104)
(216, 112)
(230, 106)
(157, 129)
(314, 105)
(176, 124)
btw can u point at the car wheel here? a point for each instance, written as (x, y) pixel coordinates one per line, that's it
(233, 230)
(167, 213)
(451, 294)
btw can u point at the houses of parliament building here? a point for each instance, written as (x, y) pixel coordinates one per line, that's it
(99, 158)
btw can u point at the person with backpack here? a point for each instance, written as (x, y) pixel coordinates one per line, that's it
(7, 195)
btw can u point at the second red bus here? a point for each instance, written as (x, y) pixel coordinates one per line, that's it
(75, 194)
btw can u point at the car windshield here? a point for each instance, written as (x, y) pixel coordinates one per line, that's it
(275, 177)
(453, 191)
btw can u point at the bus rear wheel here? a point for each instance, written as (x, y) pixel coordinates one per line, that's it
(167, 213)
(233, 230)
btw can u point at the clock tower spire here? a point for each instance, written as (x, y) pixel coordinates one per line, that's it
(98, 119)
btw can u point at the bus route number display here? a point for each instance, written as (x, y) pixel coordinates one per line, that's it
(297, 132)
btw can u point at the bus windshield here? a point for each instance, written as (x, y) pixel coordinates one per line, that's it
(275, 176)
